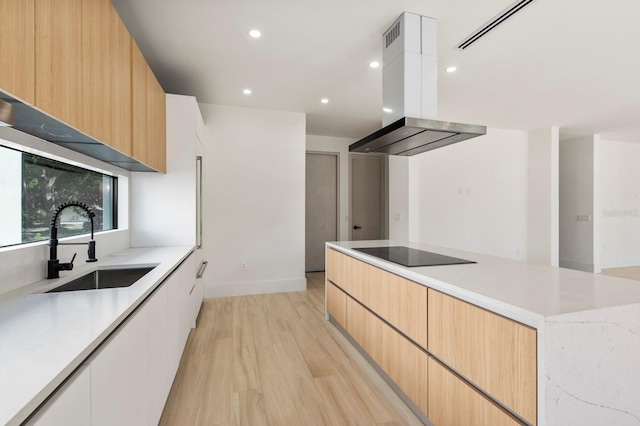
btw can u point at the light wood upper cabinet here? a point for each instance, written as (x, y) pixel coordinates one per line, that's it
(17, 48)
(495, 353)
(106, 67)
(138, 103)
(156, 124)
(148, 110)
(75, 61)
(58, 59)
(452, 402)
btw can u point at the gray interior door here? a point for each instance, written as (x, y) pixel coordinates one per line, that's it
(366, 197)
(321, 207)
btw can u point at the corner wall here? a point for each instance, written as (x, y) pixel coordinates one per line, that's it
(543, 197)
(620, 204)
(254, 195)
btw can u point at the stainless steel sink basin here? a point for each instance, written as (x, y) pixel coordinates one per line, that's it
(104, 278)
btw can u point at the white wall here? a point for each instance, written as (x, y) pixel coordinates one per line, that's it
(543, 197)
(254, 199)
(341, 146)
(25, 264)
(579, 180)
(620, 204)
(10, 197)
(471, 195)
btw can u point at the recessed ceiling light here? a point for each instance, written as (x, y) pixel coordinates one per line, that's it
(451, 69)
(247, 91)
(255, 33)
(324, 100)
(387, 109)
(374, 64)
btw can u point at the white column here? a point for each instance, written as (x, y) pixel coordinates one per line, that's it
(542, 197)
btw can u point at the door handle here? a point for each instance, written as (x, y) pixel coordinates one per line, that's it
(357, 227)
(199, 201)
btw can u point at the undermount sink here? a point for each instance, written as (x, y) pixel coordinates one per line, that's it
(104, 278)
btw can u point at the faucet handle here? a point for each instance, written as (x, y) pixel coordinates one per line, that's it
(67, 266)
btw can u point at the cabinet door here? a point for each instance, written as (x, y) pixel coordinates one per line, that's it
(400, 359)
(159, 384)
(140, 137)
(453, 403)
(178, 286)
(120, 376)
(495, 353)
(106, 66)
(70, 405)
(156, 124)
(400, 302)
(148, 105)
(58, 59)
(336, 267)
(337, 304)
(17, 48)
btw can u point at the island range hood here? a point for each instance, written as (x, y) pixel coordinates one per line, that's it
(409, 94)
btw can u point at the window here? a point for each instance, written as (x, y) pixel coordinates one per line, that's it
(31, 189)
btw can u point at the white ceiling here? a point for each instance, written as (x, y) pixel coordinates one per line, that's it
(568, 63)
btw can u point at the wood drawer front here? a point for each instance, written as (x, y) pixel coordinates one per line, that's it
(400, 359)
(495, 353)
(399, 301)
(336, 267)
(337, 304)
(453, 403)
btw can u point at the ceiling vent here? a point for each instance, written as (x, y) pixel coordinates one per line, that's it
(493, 23)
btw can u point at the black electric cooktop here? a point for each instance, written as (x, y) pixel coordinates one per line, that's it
(410, 257)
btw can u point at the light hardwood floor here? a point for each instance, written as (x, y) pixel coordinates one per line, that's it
(631, 272)
(274, 360)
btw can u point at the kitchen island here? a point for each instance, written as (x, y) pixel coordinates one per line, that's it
(46, 338)
(499, 341)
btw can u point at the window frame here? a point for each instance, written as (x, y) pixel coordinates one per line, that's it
(29, 150)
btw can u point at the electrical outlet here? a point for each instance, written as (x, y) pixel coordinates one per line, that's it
(243, 266)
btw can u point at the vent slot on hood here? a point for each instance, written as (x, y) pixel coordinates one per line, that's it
(493, 23)
(392, 34)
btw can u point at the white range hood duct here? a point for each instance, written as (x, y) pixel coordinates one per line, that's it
(410, 93)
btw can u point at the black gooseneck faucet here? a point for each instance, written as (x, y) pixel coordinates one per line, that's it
(53, 265)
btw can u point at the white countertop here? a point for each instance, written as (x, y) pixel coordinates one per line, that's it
(525, 292)
(44, 337)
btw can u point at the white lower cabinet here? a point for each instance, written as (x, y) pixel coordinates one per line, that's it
(159, 381)
(70, 405)
(196, 295)
(127, 380)
(179, 322)
(120, 375)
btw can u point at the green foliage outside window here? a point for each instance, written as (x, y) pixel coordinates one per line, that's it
(46, 184)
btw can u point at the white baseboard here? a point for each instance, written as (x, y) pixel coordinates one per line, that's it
(254, 287)
(621, 262)
(570, 264)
